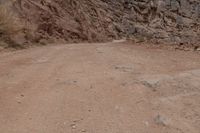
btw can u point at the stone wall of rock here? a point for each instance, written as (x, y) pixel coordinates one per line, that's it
(168, 20)
(172, 21)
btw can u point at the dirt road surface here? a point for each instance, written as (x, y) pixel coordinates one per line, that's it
(99, 88)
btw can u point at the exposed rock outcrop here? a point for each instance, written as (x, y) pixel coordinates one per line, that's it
(172, 21)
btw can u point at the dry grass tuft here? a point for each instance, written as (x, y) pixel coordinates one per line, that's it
(9, 23)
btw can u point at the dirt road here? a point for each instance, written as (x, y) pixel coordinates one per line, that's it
(99, 88)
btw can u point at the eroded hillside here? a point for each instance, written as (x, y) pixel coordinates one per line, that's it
(172, 21)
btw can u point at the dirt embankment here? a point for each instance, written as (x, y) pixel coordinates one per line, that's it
(171, 21)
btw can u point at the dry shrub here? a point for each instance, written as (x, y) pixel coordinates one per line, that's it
(9, 26)
(9, 23)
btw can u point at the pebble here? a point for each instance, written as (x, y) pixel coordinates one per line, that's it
(198, 49)
(146, 123)
(83, 130)
(73, 126)
(160, 120)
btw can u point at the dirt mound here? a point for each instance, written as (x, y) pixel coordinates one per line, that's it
(171, 21)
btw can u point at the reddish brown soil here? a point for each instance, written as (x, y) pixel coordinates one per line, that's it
(101, 88)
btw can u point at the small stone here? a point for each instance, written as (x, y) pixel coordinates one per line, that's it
(151, 83)
(160, 120)
(73, 126)
(146, 123)
(83, 130)
(198, 49)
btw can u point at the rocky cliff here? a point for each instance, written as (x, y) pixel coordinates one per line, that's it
(172, 21)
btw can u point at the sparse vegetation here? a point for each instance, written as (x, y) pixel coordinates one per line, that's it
(9, 26)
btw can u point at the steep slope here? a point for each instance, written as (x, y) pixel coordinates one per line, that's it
(165, 21)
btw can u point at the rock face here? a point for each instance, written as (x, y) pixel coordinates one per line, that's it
(173, 21)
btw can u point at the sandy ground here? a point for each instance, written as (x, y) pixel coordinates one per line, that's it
(99, 88)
